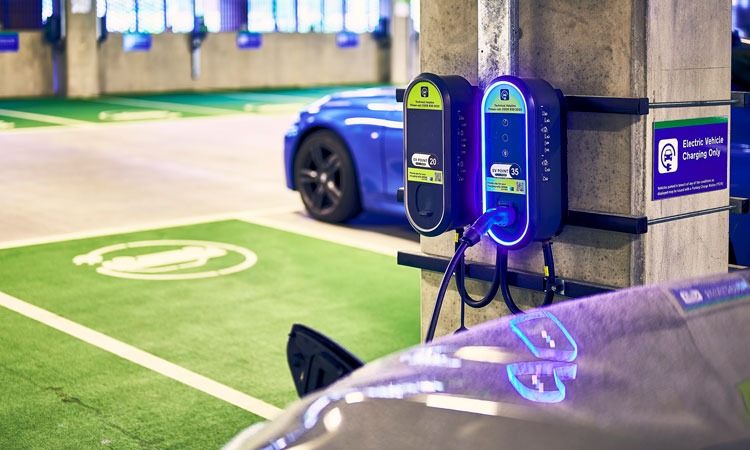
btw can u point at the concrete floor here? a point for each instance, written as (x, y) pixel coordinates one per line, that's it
(68, 181)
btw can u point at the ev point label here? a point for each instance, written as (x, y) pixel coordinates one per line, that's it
(690, 156)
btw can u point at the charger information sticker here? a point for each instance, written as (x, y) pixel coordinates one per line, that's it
(508, 186)
(424, 175)
(690, 156)
(424, 95)
(700, 295)
(504, 98)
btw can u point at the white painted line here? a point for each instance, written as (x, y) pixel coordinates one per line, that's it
(43, 118)
(305, 226)
(144, 359)
(264, 97)
(95, 125)
(140, 227)
(163, 105)
(337, 234)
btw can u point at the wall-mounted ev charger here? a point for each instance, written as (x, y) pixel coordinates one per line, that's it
(440, 158)
(521, 170)
(522, 151)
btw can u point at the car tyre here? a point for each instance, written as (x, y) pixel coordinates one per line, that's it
(325, 178)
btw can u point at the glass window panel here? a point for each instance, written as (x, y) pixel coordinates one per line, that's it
(415, 14)
(333, 16)
(356, 16)
(260, 16)
(212, 15)
(310, 15)
(180, 15)
(286, 16)
(373, 15)
(150, 16)
(121, 16)
(101, 8)
(46, 10)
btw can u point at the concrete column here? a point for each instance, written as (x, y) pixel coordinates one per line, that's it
(661, 49)
(81, 55)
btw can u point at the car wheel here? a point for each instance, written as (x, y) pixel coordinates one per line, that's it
(324, 176)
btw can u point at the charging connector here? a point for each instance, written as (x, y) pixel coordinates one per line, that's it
(503, 216)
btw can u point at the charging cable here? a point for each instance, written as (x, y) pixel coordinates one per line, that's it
(550, 283)
(502, 216)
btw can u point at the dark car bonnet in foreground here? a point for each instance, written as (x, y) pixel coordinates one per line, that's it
(664, 366)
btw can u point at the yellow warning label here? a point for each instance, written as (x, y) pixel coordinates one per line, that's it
(424, 95)
(424, 175)
(507, 186)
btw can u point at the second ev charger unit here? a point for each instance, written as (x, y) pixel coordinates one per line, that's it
(522, 159)
(440, 160)
(523, 179)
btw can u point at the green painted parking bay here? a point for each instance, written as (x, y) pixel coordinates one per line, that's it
(14, 122)
(217, 299)
(92, 111)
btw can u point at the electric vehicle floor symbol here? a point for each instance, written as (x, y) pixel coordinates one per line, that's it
(169, 260)
(668, 157)
(546, 379)
(546, 338)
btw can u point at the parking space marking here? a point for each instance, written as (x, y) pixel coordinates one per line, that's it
(144, 359)
(300, 224)
(141, 103)
(127, 229)
(44, 118)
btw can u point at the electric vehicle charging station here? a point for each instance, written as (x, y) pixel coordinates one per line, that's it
(519, 166)
(439, 153)
(523, 159)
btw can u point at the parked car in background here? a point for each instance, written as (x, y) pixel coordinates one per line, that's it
(344, 154)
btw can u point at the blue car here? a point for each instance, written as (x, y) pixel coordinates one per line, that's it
(345, 154)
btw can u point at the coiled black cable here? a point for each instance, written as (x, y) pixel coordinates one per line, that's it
(549, 278)
(461, 283)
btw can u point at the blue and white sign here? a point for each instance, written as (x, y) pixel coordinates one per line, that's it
(247, 40)
(690, 156)
(9, 42)
(707, 294)
(136, 42)
(347, 39)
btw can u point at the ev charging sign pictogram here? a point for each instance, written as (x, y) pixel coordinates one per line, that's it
(168, 259)
(690, 156)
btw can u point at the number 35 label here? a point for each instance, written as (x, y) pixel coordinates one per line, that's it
(505, 170)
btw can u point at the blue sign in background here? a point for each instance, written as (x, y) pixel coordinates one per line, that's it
(9, 42)
(347, 39)
(136, 42)
(247, 40)
(690, 156)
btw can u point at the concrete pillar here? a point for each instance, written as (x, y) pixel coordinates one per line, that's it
(81, 55)
(665, 50)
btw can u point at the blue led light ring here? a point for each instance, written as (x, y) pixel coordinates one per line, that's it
(484, 151)
(545, 353)
(559, 372)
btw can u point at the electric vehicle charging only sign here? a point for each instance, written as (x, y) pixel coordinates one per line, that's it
(690, 156)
